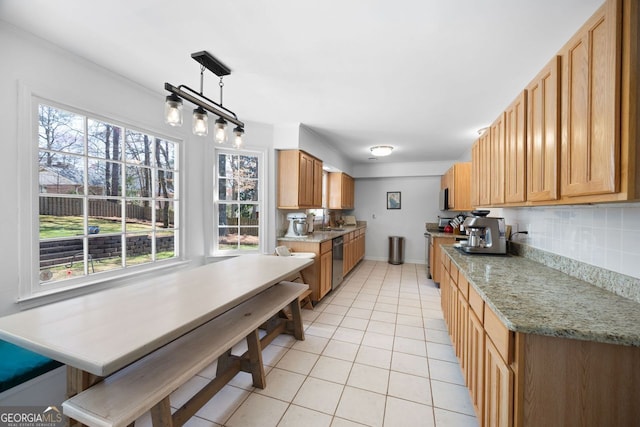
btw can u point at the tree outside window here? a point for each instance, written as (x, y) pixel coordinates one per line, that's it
(107, 196)
(237, 202)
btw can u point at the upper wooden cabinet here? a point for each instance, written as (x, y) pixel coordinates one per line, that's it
(341, 191)
(582, 118)
(515, 147)
(543, 133)
(299, 180)
(458, 180)
(591, 64)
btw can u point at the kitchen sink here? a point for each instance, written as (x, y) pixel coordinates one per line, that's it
(330, 229)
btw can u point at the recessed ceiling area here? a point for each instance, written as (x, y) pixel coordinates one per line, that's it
(421, 76)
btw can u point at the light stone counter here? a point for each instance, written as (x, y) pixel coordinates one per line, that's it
(322, 236)
(535, 299)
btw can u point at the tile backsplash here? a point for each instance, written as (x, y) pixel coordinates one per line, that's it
(607, 236)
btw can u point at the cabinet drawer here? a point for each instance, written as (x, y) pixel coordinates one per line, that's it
(326, 246)
(477, 304)
(501, 337)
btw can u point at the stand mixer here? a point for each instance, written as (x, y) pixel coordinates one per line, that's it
(297, 224)
(485, 235)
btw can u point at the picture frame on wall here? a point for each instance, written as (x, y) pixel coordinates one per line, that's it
(393, 199)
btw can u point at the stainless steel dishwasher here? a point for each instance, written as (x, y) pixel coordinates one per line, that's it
(338, 260)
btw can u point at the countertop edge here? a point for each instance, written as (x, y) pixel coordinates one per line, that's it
(322, 236)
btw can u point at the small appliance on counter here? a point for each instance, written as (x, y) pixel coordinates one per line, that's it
(297, 225)
(349, 220)
(311, 217)
(485, 235)
(443, 222)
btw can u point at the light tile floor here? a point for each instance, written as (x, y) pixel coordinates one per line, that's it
(376, 353)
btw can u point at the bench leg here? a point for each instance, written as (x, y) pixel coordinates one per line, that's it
(255, 359)
(225, 361)
(161, 414)
(298, 329)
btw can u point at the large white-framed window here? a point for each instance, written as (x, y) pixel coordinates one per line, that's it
(238, 226)
(105, 199)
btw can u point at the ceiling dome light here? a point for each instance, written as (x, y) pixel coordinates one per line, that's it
(381, 150)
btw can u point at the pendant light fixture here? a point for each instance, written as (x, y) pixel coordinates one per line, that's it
(173, 103)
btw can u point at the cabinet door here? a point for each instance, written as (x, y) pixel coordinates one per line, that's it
(498, 390)
(306, 183)
(453, 311)
(348, 192)
(515, 140)
(475, 366)
(591, 105)
(462, 325)
(543, 133)
(444, 296)
(485, 169)
(432, 259)
(475, 174)
(497, 161)
(326, 272)
(317, 183)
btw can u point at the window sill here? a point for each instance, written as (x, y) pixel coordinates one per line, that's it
(58, 294)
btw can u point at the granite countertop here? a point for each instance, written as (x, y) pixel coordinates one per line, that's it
(322, 236)
(436, 232)
(532, 298)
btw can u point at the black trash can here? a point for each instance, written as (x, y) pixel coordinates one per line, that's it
(396, 250)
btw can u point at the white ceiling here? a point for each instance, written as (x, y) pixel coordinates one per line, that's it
(422, 75)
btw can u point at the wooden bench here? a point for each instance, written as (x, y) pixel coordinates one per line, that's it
(146, 384)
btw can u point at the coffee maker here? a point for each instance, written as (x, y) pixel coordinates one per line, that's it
(297, 224)
(485, 235)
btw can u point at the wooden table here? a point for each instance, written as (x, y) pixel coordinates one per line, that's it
(99, 333)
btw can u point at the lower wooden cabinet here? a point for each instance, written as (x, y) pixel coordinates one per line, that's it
(474, 374)
(354, 246)
(527, 380)
(319, 275)
(498, 389)
(326, 268)
(435, 255)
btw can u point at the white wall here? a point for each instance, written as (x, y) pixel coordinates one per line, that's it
(419, 204)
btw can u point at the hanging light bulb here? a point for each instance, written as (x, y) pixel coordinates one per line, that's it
(220, 131)
(173, 110)
(200, 122)
(237, 142)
